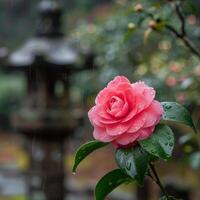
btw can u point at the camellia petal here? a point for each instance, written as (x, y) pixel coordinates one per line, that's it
(117, 80)
(123, 111)
(145, 95)
(100, 134)
(137, 123)
(123, 86)
(145, 133)
(117, 129)
(93, 117)
(110, 121)
(130, 98)
(153, 114)
(102, 113)
(125, 138)
(104, 95)
(149, 94)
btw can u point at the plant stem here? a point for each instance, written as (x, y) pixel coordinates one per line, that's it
(158, 180)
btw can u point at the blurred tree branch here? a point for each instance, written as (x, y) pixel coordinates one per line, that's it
(181, 17)
(185, 40)
(157, 180)
(182, 35)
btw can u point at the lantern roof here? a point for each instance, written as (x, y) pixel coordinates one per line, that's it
(48, 43)
(55, 51)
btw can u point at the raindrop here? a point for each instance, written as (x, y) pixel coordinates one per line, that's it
(119, 181)
(153, 151)
(140, 106)
(152, 92)
(126, 153)
(144, 145)
(136, 128)
(110, 183)
(128, 166)
(167, 107)
(169, 138)
(170, 144)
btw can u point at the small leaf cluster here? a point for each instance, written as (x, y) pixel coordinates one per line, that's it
(134, 163)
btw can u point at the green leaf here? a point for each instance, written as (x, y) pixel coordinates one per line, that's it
(161, 143)
(177, 114)
(109, 182)
(85, 150)
(169, 198)
(134, 162)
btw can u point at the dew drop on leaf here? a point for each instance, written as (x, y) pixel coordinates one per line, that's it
(110, 183)
(153, 151)
(168, 107)
(128, 166)
(170, 144)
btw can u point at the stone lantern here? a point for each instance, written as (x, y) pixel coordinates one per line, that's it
(48, 61)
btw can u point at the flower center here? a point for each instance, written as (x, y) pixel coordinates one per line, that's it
(117, 107)
(116, 102)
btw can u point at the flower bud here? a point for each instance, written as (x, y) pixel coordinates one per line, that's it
(152, 24)
(131, 26)
(138, 7)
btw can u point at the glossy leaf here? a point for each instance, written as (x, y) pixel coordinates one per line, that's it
(109, 182)
(85, 150)
(176, 113)
(134, 162)
(161, 143)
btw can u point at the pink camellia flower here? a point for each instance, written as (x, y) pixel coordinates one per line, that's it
(125, 113)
